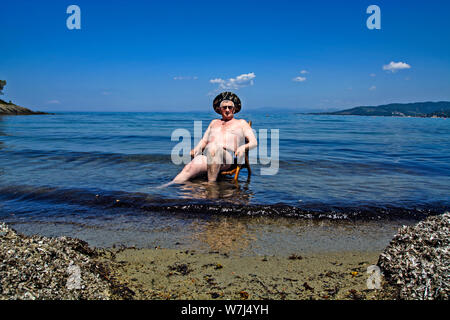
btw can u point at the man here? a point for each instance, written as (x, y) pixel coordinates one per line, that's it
(223, 140)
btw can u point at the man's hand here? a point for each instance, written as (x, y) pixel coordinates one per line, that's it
(240, 152)
(195, 151)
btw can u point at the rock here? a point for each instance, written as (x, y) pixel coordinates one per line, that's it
(8, 108)
(417, 260)
(39, 268)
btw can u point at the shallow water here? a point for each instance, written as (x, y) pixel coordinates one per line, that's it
(71, 168)
(233, 235)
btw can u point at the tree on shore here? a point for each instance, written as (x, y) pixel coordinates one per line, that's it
(2, 85)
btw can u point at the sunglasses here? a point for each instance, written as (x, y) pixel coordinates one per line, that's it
(227, 107)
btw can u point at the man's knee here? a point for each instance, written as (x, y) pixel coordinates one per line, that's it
(198, 164)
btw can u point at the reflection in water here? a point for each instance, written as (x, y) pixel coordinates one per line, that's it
(224, 235)
(234, 192)
(284, 236)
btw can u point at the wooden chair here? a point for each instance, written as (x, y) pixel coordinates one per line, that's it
(236, 168)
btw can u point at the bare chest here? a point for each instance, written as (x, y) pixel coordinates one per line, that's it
(227, 129)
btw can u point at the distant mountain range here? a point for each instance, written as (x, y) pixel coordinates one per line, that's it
(417, 109)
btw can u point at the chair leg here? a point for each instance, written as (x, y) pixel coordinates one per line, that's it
(236, 175)
(247, 164)
(230, 172)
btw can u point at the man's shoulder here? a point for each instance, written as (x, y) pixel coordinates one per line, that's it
(214, 121)
(243, 122)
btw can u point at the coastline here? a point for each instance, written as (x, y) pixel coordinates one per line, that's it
(10, 109)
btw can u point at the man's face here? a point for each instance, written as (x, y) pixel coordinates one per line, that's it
(227, 109)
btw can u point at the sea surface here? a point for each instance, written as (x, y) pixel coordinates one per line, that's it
(97, 176)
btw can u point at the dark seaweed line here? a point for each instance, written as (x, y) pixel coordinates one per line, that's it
(145, 203)
(282, 210)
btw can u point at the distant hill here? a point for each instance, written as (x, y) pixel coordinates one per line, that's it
(416, 109)
(10, 109)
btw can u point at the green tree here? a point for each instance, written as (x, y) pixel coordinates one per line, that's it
(2, 85)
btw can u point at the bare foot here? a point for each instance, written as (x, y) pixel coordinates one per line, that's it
(166, 185)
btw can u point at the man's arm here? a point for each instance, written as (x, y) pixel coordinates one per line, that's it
(252, 142)
(203, 142)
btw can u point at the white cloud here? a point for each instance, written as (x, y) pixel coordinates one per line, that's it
(373, 75)
(299, 79)
(243, 80)
(185, 78)
(217, 80)
(106, 93)
(395, 66)
(304, 72)
(372, 88)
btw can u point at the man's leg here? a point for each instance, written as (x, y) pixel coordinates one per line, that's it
(192, 169)
(214, 154)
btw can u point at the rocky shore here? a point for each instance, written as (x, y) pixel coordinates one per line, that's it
(62, 268)
(417, 260)
(10, 109)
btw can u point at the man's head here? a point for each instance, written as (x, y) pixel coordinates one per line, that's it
(224, 96)
(227, 109)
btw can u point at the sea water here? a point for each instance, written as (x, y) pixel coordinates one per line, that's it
(96, 176)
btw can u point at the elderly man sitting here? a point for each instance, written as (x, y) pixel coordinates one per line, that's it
(223, 140)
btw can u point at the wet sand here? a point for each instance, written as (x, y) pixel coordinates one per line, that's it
(184, 274)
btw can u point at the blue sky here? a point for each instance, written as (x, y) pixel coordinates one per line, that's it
(176, 55)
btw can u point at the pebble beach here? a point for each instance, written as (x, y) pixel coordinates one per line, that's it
(62, 268)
